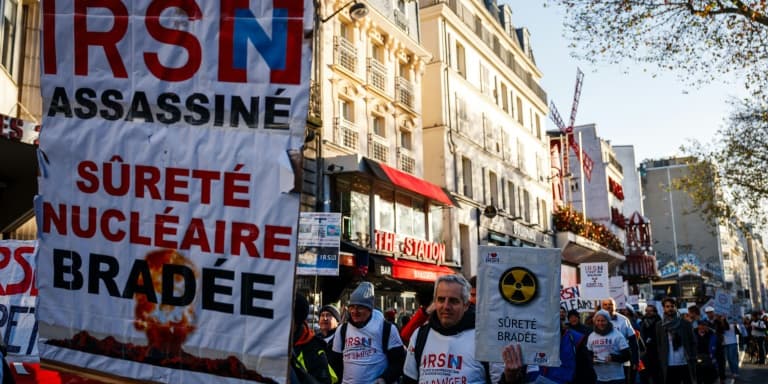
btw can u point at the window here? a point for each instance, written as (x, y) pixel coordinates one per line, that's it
(485, 81)
(411, 217)
(493, 186)
(377, 52)
(378, 126)
(384, 203)
(538, 126)
(346, 110)
(466, 169)
(462, 117)
(526, 206)
(345, 31)
(401, 5)
(406, 139)
(9, 9)
(404, 71)
(520, 111)
(461, 64)
(504, 100)
(544, 215)
(520, 156)
(512, 199)
(436, 224)
(354, 207)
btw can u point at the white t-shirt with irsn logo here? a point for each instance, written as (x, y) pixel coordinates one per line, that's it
(364, 356)
(445, 359)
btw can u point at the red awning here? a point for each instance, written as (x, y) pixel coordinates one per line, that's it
(413, 270)
(410, 182)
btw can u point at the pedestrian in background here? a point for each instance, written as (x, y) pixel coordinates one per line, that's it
(652, 372)
(676, 346)
(309, 360)
(328, 321)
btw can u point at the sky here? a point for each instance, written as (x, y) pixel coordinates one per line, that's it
(654, 114)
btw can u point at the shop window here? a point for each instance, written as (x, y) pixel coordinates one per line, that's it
(355, 211)
(385, 209)
(411, 217)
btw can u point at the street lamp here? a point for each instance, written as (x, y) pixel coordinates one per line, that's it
(357, 11)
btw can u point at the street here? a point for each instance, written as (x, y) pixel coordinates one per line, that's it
(749, 373)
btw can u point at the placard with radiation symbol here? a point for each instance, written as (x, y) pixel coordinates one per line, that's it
(518, 301)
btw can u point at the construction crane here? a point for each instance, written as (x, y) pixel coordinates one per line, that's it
(586, 162)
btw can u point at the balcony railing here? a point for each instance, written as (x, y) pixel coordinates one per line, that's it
(475, 24)
(345, 53)
(377, 74)
(347, 133)
(404, 92)
(379, 148)
(401, 20)
(406, 161)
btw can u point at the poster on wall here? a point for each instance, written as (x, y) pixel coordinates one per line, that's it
(18, 296)
(594, 281)
(167, 197)
(518, 302)
(319, 243)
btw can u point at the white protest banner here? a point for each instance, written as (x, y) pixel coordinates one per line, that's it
(15, 129)
(571, 299)
(168, 209)
(518, 302)
(594, 280)
(618, 291)
(723, 302)
(18, 295)
(319, 243)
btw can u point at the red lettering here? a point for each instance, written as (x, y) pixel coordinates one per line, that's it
(172, 182)
(245, 234)
(231, 187)
(218, 241)
(87, 171)
(195, 235)
(118, 235)
(49, 37)
(271, 241)
(90, 230)
(162, 229)
(147, 177)
(83, 38)
(125, 179)
(18, 256)
(179, 38)
(205, 177)
(59, 220)
(135, 231)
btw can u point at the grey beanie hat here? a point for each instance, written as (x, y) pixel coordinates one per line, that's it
(362, 295)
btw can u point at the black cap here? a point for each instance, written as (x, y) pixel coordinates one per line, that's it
(332, 310)
(573, 312)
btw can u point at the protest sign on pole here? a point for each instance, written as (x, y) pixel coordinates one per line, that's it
(570, 299)
(319, 243)
(594, 280)
(618, 291)
(18, 295)
(518, 302)
(723, 302)
(168, 207)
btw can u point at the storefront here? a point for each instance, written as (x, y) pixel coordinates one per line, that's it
(392, 233)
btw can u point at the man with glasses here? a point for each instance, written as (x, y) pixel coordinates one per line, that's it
(367, 349)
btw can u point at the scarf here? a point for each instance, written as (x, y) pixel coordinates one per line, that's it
(671, 325)
(304, 336)
(466, 322)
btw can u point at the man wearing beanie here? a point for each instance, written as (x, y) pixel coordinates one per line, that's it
(360, 353)
(309, 358)
(328, 322)
(609, 348)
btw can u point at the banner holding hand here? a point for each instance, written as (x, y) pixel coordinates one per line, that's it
(518, 299)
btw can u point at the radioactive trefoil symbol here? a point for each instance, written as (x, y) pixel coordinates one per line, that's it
(518, 285)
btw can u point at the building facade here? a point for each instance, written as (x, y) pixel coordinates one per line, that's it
(20, 116)
(484, 137)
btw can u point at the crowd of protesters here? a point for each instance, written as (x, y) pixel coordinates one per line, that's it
(363, 345)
